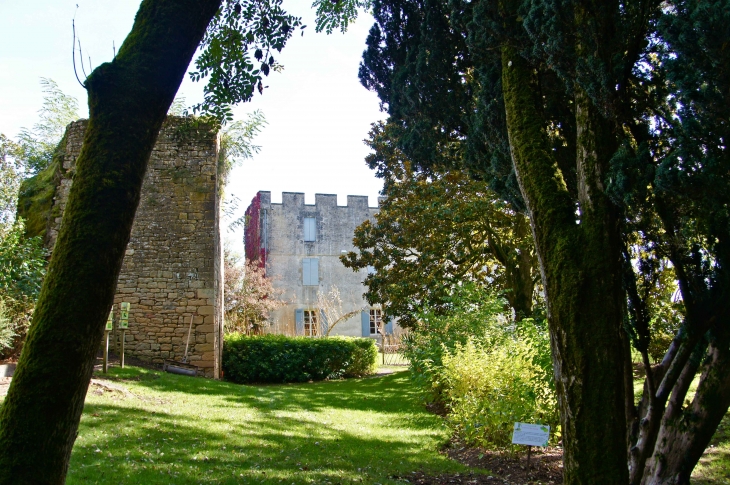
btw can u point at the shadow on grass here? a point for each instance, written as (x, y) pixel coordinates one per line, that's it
(714, 466)
(172, 429)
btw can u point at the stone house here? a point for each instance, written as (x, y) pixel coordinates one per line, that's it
(299, 245)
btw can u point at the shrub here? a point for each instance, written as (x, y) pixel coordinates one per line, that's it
(363, 359)
(486, 369)
(22, 267)
(487, 390)
(7, 329)
(278, 358)
(474, 314)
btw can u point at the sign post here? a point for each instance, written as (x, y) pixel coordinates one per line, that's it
(123, 326)
(530, 435)
(107, 329)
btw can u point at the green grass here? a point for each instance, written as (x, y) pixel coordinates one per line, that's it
(179, 430)
(396, 359)
(714, 466)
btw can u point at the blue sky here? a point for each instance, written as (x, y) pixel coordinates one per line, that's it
(317, 111)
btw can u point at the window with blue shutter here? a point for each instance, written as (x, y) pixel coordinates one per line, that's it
(310, 271)
(389, 327)
(299, 317)
(310, 229)
(365, 319)
(323, 320)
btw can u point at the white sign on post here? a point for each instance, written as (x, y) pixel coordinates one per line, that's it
(530, 434)
(124, 317)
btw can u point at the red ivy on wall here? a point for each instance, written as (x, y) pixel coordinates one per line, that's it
(252, 232)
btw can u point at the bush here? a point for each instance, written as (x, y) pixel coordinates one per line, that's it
(278, 358)
(474, 314)
(22, 268)
(487, 390)
(7, 329)
(487, 370)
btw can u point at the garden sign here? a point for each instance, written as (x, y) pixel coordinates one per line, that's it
(124, 319)
(530, 434)
(110, 321)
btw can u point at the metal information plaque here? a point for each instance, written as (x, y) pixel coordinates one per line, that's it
(110, 320)
(124, 317)
(530, 434)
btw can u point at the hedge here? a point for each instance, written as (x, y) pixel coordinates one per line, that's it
(277, 358)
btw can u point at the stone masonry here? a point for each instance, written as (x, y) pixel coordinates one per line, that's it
(276, 236)
(173, 266)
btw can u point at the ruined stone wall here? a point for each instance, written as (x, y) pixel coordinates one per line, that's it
(173, 268)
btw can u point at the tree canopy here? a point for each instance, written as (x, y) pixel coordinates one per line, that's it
(435, 232)
(602, 121)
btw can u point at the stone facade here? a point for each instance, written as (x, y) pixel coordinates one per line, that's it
(278, 236)
(173, 267)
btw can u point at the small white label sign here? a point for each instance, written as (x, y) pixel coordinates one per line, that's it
(530, 434)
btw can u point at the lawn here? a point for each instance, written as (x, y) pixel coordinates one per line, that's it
(146, 427)
(142, 426)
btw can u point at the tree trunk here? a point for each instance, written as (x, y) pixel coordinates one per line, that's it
(128, 100)
(518, 269)
(686, 432)
(581, 271)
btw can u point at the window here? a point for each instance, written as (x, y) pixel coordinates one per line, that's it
(311, 327)
(310, 271)
(310, 229)
(376, 321)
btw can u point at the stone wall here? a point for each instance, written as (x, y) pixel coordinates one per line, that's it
(173, 266)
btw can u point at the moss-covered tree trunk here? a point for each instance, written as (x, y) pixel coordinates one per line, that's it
(128, 101)
(579, 253)
(519, 268)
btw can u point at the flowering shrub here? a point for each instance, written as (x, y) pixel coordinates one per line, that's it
(249, 296)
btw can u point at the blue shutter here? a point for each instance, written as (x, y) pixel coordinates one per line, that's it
(365, 319)
(299, 317)
(314, 271)
(323, 322)
(310, 271)
(310, 229)
(306, 271)
(389, 327)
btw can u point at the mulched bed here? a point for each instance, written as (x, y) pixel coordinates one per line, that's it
(546, 467)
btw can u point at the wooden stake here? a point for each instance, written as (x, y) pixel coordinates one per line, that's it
(106, 351)
(529, 451)
(121, 355)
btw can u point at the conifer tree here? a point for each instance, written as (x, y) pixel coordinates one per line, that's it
(607, 115)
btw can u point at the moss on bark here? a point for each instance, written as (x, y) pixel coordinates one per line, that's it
(128, 101)
(579, 257)
(35, 198)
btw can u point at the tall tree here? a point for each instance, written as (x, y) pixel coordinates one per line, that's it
(596, 110)
(128, 100)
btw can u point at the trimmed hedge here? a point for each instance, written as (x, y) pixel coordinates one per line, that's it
(277, 358)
